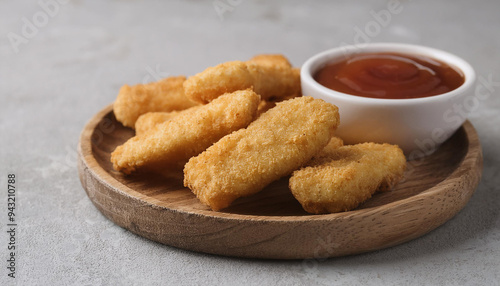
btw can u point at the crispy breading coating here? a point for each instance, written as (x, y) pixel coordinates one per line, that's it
(342, 178)
(187, 134)
(278, 142)
(150, 120)
(264, 106)
(164, 95)
(270, 60)
(268, 80)
(335, 142)
(278, 60)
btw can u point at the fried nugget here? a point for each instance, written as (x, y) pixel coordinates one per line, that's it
(278, 142)
(164, 95)
(187, 134)
(270, 60)
(150, 120)
(333, 144)
(339, 179)
(268, 80)
(264, 106)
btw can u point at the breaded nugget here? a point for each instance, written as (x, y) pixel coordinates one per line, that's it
(187, 134)
(264, 106)
(164, 95)
(270, 81)
(296, 91)
(150, 120)
(335, 142)
(270, 60)
(278, 142)
(342, 178)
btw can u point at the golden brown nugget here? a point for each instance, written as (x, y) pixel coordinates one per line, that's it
(297, 91)
(278, 60)
(269, 81)
(344, 177)
(150, 120)
(275, 144)
(270, 60)
(164, 95)
(264, 106)
(333, 144)
(187, 134)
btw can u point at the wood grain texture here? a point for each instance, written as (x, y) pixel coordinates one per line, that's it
(272, 224)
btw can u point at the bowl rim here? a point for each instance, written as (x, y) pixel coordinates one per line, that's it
(311, 65)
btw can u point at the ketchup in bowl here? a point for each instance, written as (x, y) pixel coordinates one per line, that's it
(390, 76)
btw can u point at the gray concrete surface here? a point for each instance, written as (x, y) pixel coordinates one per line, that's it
(62, 61)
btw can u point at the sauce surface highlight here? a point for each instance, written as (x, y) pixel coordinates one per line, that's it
(390, 76)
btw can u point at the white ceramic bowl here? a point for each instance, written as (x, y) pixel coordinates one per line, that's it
(417, 125)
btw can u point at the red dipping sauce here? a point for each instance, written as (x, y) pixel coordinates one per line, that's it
(390, 76)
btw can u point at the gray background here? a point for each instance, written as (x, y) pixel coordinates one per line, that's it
(73, 64)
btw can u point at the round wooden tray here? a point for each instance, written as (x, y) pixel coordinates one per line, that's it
(272, 224)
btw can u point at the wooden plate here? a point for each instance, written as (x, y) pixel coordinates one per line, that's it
(272, 224)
